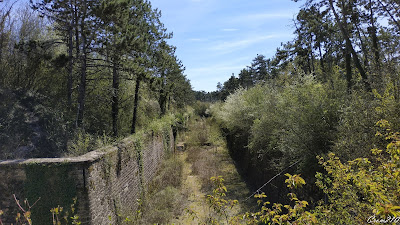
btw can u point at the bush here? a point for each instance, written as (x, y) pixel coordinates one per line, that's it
(200, 109)
(198, 134)
(170, 174)
(356, 192)
(282, 124)
(356, 129)
(29, 127)
(363, 190)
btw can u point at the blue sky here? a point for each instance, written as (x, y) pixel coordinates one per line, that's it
(215, 38)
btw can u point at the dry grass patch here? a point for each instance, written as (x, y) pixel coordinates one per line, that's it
(205, 165)
(164, 200)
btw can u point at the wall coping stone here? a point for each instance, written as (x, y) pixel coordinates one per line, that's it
(89, 157)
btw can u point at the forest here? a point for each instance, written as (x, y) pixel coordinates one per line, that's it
(76, 75)
(320, 118)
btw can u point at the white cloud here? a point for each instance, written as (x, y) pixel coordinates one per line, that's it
(205, 77)
(196, 39)
(229, 46)
(262, 16)
(257, 20)
(230, 29)
(211, 70)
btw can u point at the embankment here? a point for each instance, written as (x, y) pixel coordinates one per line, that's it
(107, 182)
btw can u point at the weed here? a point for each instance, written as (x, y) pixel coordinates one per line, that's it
(164, 200)
(198, 134)
(59, 215)
(204, 165)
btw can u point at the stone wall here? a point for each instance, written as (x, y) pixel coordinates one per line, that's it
(107, 183)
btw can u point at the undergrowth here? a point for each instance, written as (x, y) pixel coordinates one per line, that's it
(204, 165)
(204, 139)
(357, 192)
(163, 199)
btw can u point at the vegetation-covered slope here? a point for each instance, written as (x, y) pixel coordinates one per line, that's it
(75, 71)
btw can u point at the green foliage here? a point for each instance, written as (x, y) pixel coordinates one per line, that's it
(52, 186)
(60, 216)
(200, 108)
(356, 129)
(97, 79)
(182, 119)
(285, 115)
(294, 213)
(218, 202)
(364, 187)
(24, 216)
(290, 119)
(29, 127)
(361, 191)
(162, 125)
(294, 181)
(83, 142)
(282, 124)
(198, 134)
(242, 108)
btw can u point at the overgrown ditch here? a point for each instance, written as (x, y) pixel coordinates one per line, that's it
(205, 156)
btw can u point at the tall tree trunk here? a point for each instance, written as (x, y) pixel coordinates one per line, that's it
(363, 46)
(135, 104)
(312, 60)
(82, 85)
(321, 59)
(115, 99)
(349, 75)
(374, 37)
(354, 18)
(76, 25)
(163, 102)
(310, 48)
(70, 66)
(353, 52)
(1, 46)
(308, 64)
(163, 96)
(3, 20)
(169, 102)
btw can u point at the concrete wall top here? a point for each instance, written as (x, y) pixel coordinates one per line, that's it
(89, 157)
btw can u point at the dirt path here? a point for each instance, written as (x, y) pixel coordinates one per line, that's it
(196, 197)
(200, 163)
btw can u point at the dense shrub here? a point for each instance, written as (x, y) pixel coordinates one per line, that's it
(290, 121)
(356, 129)
(283, 124)
(200, 108)
(29, 127)
(356, 192)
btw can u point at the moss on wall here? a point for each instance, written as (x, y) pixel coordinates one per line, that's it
(53, 185)
(107, 182)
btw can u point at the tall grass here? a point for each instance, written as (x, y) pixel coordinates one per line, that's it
(164, 200)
